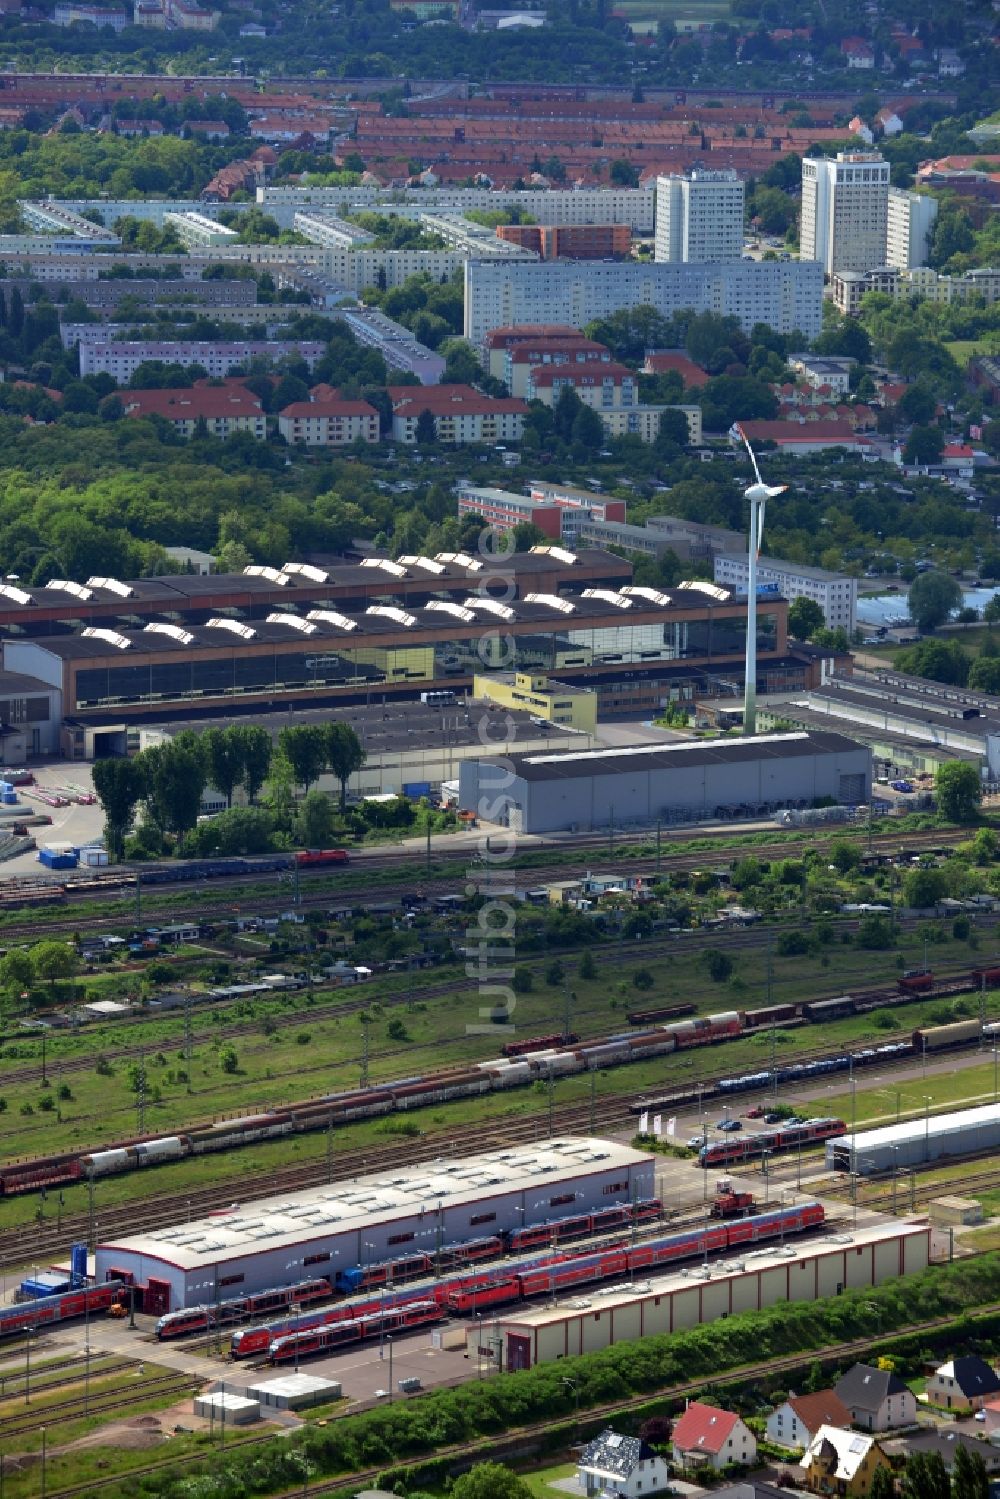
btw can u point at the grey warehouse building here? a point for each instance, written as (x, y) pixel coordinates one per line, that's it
(683, 781)
(932, 1138)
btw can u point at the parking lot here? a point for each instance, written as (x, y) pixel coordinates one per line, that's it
(75, 823)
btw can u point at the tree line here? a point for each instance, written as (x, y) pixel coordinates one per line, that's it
(168, 780)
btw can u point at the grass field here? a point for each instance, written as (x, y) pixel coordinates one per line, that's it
(687, 15)
(964, 349)
(311, 1058)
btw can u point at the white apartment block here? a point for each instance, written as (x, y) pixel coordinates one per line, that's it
(844, 210)
(329, 230)
(198, 232)
(836, 594)
(586, 205)
(909, 226)
(699, 217)
(121, 360)
(850, 286)
(787, 295)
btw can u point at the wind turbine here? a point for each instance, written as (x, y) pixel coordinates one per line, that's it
(758, 494)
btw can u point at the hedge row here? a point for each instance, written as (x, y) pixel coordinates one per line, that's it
(443, 1418)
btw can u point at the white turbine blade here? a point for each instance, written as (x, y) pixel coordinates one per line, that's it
(750, 450)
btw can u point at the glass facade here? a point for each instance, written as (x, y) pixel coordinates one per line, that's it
(316, 666)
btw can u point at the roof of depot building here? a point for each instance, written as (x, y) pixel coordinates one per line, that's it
(275, 1223)
(679, 756)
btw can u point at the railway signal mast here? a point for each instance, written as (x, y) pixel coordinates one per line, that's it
(758, 494)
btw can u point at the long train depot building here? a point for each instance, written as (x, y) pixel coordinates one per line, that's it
(415, 1210)
(122, 653)
(686, 1298)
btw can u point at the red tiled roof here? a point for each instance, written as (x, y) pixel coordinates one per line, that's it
(957, 450)
(190, 404)
(582, 374)
(825, 1408)
(499, 338)
(662, 363)
(780, 432)
(332, 408)
(703, 1428)
(450, 400)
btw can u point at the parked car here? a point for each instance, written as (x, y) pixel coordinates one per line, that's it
(757, 1113)
(728, 1125)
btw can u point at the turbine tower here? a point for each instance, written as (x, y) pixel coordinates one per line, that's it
(758, 494)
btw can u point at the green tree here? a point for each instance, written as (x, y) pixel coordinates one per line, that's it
(315, 820)
(925, 1477)
(931, 598)
(120, 785)
(941, 660)
(623, 173)
(256, 747)
(345, 755)
(53, 960)
(425, 431)
(984, 674)
(223, 760)
(228, 1060)
(917, 404)
(805, 616)
(924, 446)
(554, 974)
(845, 856)
(587, 968)
(175, 780)
(490, 1481)
(883, 1486)
(588, 429)
(718, 965)
(923, 888)
(959, 791)
(969, 1479)
(304, 746)
(991, 613)
(17, 970)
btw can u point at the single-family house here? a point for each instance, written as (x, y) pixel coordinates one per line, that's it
(963, 1384)
(876, 1398)
(623, 1466)
(705, 1436)
(794, 1423)
(945, 1443)
(842, 1462)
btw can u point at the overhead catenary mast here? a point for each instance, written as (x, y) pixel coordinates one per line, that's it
(758, 494)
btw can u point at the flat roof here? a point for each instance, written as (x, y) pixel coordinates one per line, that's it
(730, 1268)
(781, 565)
(633, 759)
(353, 1207)
(402, 725)
(935, 713)
(816, 720)
(916, 1129)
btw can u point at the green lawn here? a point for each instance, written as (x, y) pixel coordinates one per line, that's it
(540, 1479)
(968, 1086)
(964, 349)
(687, 15)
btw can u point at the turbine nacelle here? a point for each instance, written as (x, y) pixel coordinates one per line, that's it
(759, 492)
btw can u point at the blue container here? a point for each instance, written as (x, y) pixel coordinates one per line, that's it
(416, 789)
(78, 1263)
(9, 798)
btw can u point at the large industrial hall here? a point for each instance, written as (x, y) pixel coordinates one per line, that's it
(331, 1230)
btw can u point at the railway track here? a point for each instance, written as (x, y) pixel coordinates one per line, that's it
(39, 1241)
(486, 1448)
(99, 1403)
(348, 892)
(747, 939)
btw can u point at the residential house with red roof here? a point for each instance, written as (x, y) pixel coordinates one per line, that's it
(705, 1436)
(224, 409)
(796, 1421)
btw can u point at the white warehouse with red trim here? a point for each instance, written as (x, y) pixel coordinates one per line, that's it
(425, 1212)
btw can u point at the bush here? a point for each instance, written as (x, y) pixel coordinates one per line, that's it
(792, 945)
(46, 1103)
(960, 928)
(396, 1030)
(302, 1039)
(228, 1060)
(522, 981)
(643, 979)
(718, 965)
